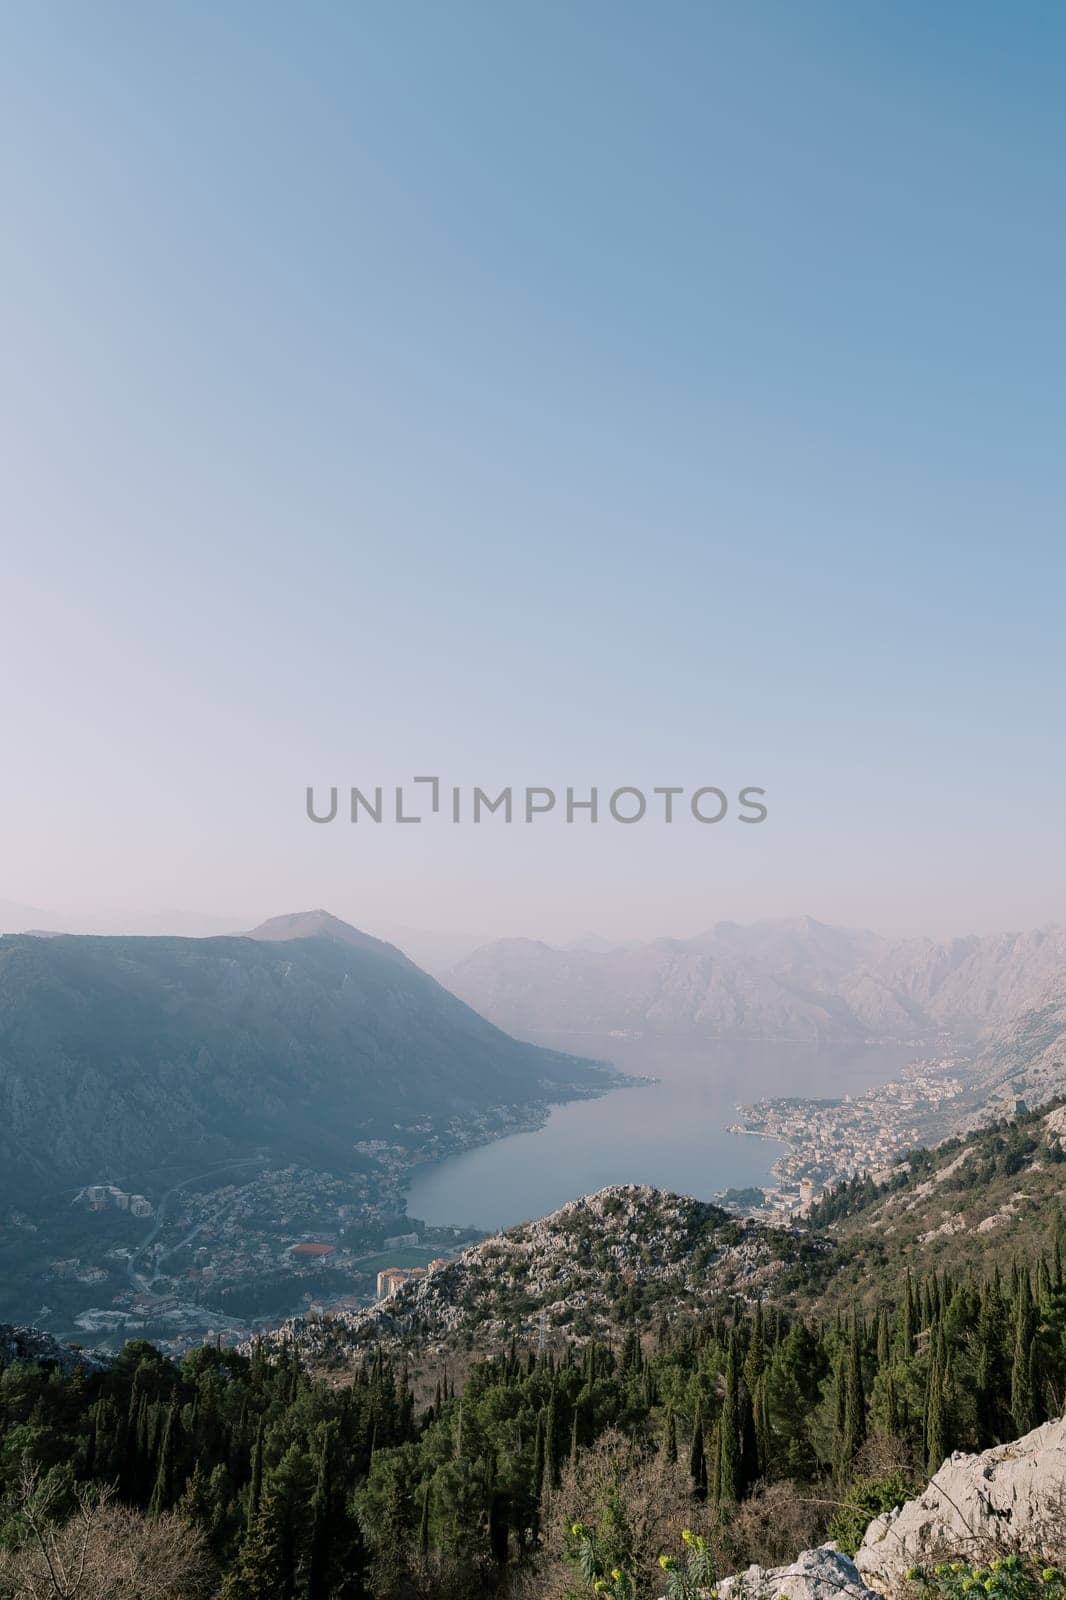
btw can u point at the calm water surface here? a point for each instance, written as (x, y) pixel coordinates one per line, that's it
(670, 1134)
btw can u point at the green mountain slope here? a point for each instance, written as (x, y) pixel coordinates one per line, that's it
(130, 1054)
(986, 1199)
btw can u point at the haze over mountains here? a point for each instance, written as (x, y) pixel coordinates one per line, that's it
(790, 979)
(134, 1055)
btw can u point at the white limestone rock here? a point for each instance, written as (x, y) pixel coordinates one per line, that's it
(822, 1574)
(1012, 1496)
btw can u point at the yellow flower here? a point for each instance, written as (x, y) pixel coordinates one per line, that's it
(688, 1536)
(615, 1574)
(577, 1529)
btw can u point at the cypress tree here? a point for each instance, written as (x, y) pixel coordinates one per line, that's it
(194, 1505)
(551, 1441)
(1022, 1398)
(755, 1360)
(670, 1435)
(763, 1436)
(854, 1396)
(536, 1483)
(697, 1460)
(714, 1456)
(255, 1487)
(163, 1492)
(423, 1524)
(891, 1405)
(840, 1389)
(935, 1413)
(906, 1328)
(729, 1464)
(264, 1569)
(318, 1584)
(883, 1338)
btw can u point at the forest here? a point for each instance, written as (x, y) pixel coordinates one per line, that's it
(588, 1468)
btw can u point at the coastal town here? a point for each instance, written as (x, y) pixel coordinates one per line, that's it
(223, 1253)
(827, 1140)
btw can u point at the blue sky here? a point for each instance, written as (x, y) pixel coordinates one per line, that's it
(559, 394)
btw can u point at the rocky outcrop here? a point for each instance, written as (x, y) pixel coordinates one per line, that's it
(31, 1344)
(1010, 1497)
(568, 1268)
(822, 1574)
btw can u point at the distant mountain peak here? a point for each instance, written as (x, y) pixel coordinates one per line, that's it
(320, 924)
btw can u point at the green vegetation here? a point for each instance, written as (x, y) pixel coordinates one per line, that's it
(730, 1428)
(1011, 1577)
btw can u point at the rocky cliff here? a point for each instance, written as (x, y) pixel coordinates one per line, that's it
(1012, 1497)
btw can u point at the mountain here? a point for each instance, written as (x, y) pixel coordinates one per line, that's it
(126, 1055)
(597, 1265)
(791, 979)
(322, 925)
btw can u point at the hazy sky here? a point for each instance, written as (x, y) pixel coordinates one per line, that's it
(553, 394)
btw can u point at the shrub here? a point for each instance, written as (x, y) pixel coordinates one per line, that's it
(1012, 1577)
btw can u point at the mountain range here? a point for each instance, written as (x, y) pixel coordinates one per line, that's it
(791, 979)
(127, 1055)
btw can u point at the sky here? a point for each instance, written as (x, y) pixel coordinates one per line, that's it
(579, 395)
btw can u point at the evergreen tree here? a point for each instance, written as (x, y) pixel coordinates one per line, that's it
(255, 1486)
(264, 1569)
(854, 1430)
(163, 1492)
(669, 1441)
(697, 1460)
(423, 1524)
(729, 1463)
(906, 1327)
(936, 1448)
(1022, 1397)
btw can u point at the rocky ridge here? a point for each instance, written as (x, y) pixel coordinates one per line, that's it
(31, 1344)
(580, 1268)
(791, 979)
